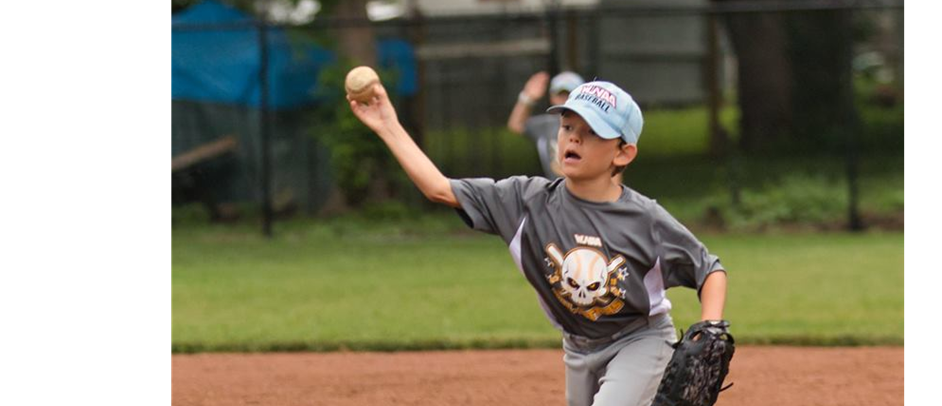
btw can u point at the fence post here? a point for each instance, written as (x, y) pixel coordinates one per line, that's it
(264, 129)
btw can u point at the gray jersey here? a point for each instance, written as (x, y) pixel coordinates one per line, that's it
(598, 268)
(542, 130)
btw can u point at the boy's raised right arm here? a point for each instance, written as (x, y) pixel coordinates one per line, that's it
(532, 91)
(380, 116)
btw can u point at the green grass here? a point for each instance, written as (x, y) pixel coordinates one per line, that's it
(319, 287)
(497, 152)
(427, 283)
(810, 288)
(681, 132)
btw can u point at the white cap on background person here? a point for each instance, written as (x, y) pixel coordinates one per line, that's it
(565, 82)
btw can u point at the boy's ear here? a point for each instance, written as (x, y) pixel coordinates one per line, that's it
(626, 154)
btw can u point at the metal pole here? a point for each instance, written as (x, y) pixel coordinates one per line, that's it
(855, 223)
(717, 140)
(264, 130)
(720, 145)
(852, 128)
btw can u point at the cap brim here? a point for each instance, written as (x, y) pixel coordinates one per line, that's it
(591, 117)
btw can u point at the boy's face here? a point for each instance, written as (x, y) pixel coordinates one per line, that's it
(584, 155)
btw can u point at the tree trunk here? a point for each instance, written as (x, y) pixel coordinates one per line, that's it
(357, 40)
(763, 77)
(358, 43)
(794, 80)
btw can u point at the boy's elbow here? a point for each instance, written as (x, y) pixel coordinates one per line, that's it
(440, 198)
(515, 128)
(443, 196)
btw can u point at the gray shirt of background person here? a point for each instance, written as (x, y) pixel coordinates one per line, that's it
(599, 269)
(542, 130)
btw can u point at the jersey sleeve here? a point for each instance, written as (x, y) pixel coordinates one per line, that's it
(685, 261)
(494, 207)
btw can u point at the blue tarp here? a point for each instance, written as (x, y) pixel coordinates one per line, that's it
(222, 64)
(398, 56)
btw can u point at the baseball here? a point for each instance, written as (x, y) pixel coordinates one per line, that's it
(359, 83)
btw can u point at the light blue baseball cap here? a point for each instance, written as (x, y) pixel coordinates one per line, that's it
(565, 82)
(610, 111)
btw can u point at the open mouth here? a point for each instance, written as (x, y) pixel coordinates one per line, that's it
(571, 156)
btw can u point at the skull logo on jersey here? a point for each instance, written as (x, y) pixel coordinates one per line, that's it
(583, 278)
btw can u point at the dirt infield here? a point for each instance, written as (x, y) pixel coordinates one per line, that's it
(762, 376)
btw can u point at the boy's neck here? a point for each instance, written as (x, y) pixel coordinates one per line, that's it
(602, 189)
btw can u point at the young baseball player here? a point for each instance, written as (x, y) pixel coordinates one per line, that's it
(598, 254)
(542, 128)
